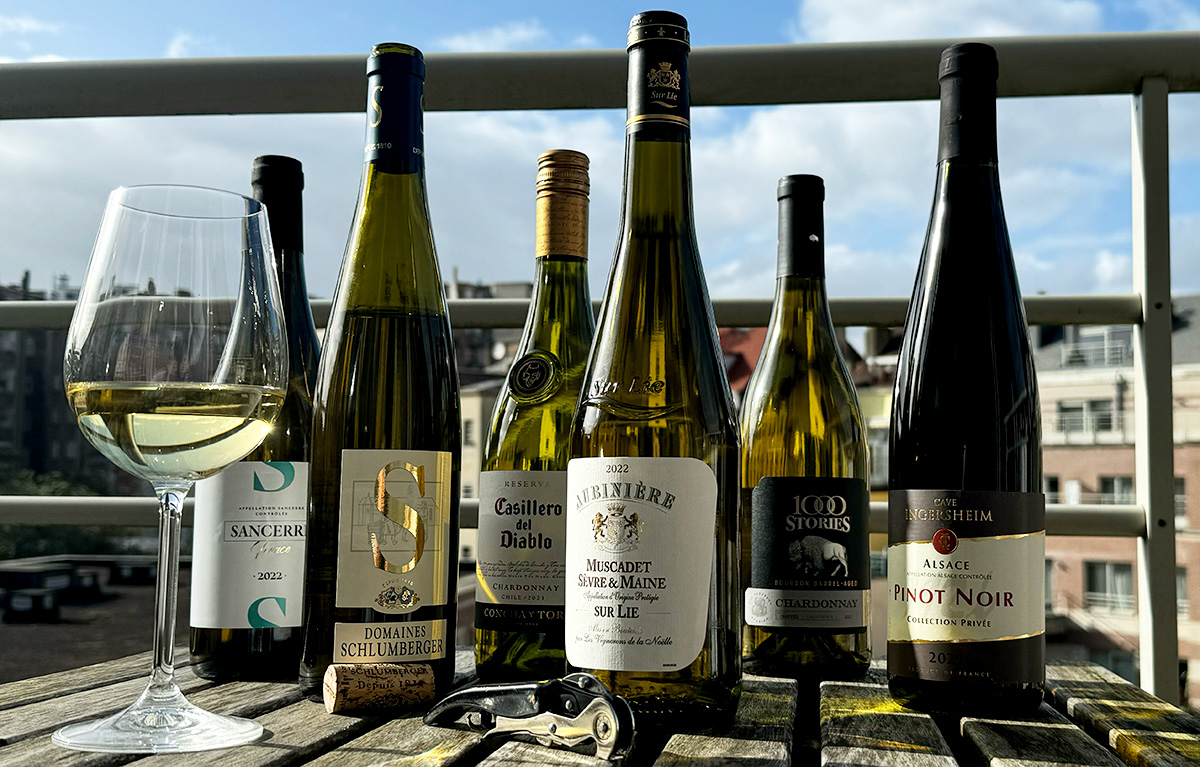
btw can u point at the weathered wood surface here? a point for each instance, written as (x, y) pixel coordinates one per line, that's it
(1143, 730)
(859, 726)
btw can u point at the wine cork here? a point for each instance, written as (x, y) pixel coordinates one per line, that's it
(376, 686)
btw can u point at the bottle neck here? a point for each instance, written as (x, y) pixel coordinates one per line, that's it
(561, 319)
(800, 318)
(967, 121)
(395, 138)
(801, 239)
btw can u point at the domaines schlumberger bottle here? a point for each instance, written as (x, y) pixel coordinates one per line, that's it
(383, 522)
(653, 597)
(806, 563)
(523, 485)
(966, 516)
(248, 549)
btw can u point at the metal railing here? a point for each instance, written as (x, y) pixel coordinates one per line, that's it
(1146, 67)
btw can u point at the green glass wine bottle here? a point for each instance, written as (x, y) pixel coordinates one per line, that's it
(653, 597)
(806, 564)
(383, 520)
(248, 540)
(523, 485)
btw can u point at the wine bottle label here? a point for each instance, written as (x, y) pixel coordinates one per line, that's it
(389, 642)
(641, 534)
(658, 89)
(521, 550)
(966, 575)
(810, 566)
(394, 530)
(248, 546)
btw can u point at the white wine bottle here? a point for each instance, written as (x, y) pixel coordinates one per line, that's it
(523, 485)
(966, 516)
(248, 540)
(383, 520)
(806, 564)
(653, 597)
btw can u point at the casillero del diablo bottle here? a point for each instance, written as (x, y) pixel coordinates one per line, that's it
(523, 486)
(652, 486)
(806, 564)
(966, 517)
(383, 521)
(248, 546)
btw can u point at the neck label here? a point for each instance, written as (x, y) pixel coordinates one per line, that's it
(394, 130)
(658, 85)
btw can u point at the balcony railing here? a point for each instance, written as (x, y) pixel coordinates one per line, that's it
(1146, 67)
(1094, 355)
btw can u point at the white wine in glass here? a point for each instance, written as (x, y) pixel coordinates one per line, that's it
(176, 367)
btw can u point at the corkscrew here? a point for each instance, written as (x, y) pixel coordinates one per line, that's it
(565, 712)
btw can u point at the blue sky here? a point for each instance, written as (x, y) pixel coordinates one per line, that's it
(1064, 161)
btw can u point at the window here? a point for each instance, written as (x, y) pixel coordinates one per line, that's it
(878, 564)
(1181, 518)
(468, 491)
(1050, 487)
(1049, 586)
(1181, 592)
(1116, 490)
(1070, 416)
(1108, 586)
(1087, 416)
(877, 449)
(468, 434)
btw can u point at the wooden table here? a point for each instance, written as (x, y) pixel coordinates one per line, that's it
(1091, 718)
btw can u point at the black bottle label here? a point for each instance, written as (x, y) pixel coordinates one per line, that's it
(966, 586)
(394, 127)
(810, 566)
(658, 81)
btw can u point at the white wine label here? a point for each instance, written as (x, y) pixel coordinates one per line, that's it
(248, 546)
(810, 564)
(522, 548)
(966, 585)
(642, 533)
(394, 530)
(809, 609)
(389, 642)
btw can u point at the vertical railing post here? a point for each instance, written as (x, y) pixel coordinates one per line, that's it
(1154, 442)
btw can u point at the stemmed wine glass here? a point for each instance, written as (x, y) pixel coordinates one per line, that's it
(176, 366)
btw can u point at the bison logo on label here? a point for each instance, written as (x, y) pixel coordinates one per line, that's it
(815, 556)
(614, 532)
(945, 541)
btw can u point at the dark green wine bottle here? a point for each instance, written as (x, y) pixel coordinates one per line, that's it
(966, 514)
(523, 486)
(653, 597)
(806, 564)
(248, 550)
(383, 520)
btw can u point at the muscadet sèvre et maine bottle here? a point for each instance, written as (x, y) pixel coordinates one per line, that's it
(806, 564)
(966, 515)
(248, 541)
(523, 484)
(383, 520)
(653, 598)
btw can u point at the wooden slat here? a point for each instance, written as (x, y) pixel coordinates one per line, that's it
(1142, 729)
(761, 734)
(26, 691)
(1042, 739)
(861, 726)
(408, 742)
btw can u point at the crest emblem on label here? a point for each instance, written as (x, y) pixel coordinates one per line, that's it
(398, 597)
(665, 77)
(759, 606)
(535, 377)
(615, 532)
(945, 541)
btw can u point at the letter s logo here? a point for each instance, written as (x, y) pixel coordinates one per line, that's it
(283, 467)
(255, 617)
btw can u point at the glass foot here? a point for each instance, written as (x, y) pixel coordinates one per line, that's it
(161, 721)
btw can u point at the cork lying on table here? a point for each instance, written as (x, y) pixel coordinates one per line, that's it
(377, 686)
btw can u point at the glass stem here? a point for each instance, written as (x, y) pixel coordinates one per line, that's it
(166, 586)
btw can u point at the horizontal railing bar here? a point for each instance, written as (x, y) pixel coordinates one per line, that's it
(730, 312)
(1112, 63)
(1119, 521)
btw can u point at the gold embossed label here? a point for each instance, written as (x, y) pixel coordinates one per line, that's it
(563, 225)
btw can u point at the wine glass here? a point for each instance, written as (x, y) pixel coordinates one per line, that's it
(176, 366)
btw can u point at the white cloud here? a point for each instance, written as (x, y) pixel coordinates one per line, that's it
(1113, 272)
(180, 46)
(853, 20)
(1169, 14)
(515, 35)
(24, 25)
(40, 58)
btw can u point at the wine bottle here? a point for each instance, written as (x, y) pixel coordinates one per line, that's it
(248, 541)
(653, 598)
(805, 503)
(387, 449)
(966, 516)
(523, 485)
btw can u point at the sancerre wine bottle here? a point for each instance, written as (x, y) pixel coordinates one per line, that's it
(653, 597)
(523, 485)
(383, 521)
(806, 562)
(966, 516)
(248, 541)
